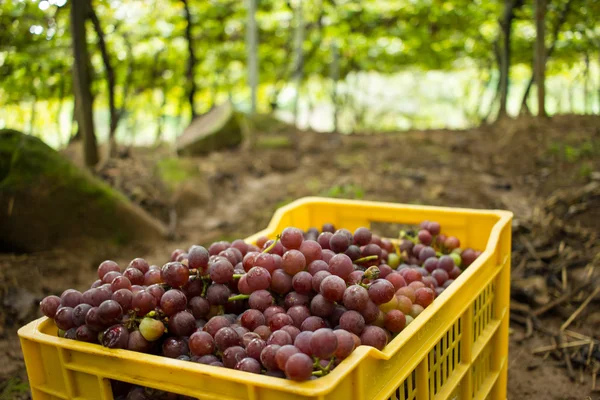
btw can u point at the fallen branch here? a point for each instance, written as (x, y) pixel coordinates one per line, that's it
(563, 345)
(580, 309)
(567, 296)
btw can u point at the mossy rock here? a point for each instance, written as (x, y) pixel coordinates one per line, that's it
(187, 186)
(47, 202)
(218, 129)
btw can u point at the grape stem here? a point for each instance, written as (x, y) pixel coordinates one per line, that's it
(318, 373)
(272, 246)
(365, 259)
(239, 297)
(237, 276)
(404, 235)
(205, 285)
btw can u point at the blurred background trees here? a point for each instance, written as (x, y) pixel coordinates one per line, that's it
(142, 69)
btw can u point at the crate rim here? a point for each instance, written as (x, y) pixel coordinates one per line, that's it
(323, 385)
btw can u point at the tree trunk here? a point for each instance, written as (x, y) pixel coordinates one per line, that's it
(32, 115)
(160, 126)
(110, 81)
(335, 76)
(561, 20)
(81, 82)
(252, 45)
(540, 55)
(61, 101)
(191, 64)
(298, 55)
(506, 24)
(586, 80)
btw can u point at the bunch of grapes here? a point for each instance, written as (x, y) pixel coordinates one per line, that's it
(293, 307)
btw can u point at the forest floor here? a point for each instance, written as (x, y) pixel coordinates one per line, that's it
(546, 172)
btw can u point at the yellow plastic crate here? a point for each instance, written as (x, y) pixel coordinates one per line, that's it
(456, 349)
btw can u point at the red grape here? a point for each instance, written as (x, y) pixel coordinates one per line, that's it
(227, 337)
(267, 357)
(321, 307)
(284, 353)
(370, 313)
(280, 337)
(292, 238)
(333, 287)
(264, 332)
(216, 323)
(171, 302)
(110, 312)
(327, 255)
(323, 343)
(64, 318)
(255, 347)
(116, 337)
(311, 251)
(302, 282)
(252, 319)
(218, 294)
(49, 305)
(281, 282)
(345, 344)
(407, 291)
(356, 298)
(151, 277)
(137, 342)
(258, 278)
(424, 297)
(352, 321)
(312, 323)
(218, 247)
(174, 347)
(292, 330)
(280, 320)
(452, 243)
(296, 299)
(316, 266)
(124, 297)
(293, 262)
(85, 334)
(174, 274)
(299, 367)
(248, 364)
(341, 265)
(182, 324)
(298, 314)
(272, 310)
(323, 240)
(396, 279)
(374, 336)
(425, 237)
(79, 313)
(395, 321)
(318, 278)
(339, 242)
(221, 271)
(362, 236)
(107, 266)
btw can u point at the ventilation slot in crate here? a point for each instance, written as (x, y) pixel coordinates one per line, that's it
(444, 358)
(407, 390)
(483, 310)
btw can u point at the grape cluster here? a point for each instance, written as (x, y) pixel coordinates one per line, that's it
(293, 307)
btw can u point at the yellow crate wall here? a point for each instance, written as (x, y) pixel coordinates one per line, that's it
(457, 348)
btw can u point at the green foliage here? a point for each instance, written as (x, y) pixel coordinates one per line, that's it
(174, 171)
(345, 191)
(148, 50)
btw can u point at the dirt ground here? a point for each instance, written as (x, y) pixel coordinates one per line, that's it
(546, 172)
